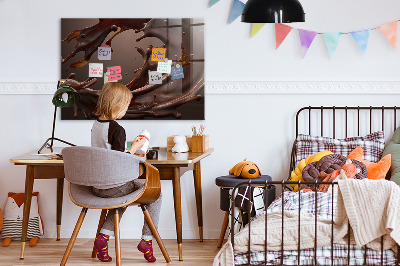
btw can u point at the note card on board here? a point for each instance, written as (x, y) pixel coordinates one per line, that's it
(164, 67)
(96, 70)
(104, 53)
(106, 75)
(177, 72)
(155, 77)
(115, 73)
(158, 54)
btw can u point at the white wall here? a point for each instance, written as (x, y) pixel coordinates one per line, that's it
(258, 126)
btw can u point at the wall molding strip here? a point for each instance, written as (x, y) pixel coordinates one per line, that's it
(250, 87)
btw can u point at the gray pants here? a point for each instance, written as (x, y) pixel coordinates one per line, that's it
(154, 208)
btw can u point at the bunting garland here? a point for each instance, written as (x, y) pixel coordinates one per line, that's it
(213, 2)
(237, 9)
(332, 41)
(361, 37)
(306, 39)
(256, 28)
(281, 31)
(389, 30)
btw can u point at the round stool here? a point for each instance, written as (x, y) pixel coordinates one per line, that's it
(226, 183)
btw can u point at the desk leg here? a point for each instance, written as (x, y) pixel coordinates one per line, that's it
(199, 204)
(176, 182)
(27, 206)
(60, 190)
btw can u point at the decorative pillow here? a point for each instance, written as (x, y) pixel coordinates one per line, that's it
(13, 215)
(393, 148)
(327, 165)
(296, 174)
(372, 144)
(375, 170)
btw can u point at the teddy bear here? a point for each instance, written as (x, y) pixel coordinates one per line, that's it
(180, 144)
(245, 169)
(13, 215)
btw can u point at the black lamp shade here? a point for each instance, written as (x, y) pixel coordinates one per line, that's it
(70, 97)
(273, 11)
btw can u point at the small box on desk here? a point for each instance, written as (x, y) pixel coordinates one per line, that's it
(200, 143)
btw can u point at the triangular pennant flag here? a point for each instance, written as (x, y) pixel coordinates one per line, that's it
(256, 28)
(213, 2)
(390, 32)
(306, 39)
(332, 41)
(361, 37)
(237, 9)
(281, 31)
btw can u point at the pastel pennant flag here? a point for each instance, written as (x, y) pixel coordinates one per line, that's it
(213, 2)
(256, 28)
(389, 30)
(237, 9)
(306, 39)
(332, 41)
(361, 37)
(281, 31)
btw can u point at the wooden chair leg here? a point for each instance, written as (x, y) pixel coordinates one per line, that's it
(73, 237)
(101, 222)
(223, 229)
(154, 230)
(117, 238)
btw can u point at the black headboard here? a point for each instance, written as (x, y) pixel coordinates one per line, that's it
(343, 122)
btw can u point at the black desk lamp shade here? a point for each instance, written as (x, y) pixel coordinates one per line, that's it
(273, 11)
(65, 96)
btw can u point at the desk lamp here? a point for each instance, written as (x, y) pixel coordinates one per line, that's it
(273, 11)
(65, 96)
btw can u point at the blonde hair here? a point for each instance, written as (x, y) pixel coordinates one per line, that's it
(113, 98)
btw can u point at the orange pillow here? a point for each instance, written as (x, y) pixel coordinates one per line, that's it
(375, 170)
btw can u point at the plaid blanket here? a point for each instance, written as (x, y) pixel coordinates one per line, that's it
(324, 257)
(323, 205)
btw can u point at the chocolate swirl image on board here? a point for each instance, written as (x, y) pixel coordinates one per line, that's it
(131, 42)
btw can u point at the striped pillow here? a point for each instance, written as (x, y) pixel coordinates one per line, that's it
(372, 145)
(13, 228)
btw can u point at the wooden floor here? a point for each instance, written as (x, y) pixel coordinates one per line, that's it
(50, 252)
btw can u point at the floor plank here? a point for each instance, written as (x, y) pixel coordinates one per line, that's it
(50, 252)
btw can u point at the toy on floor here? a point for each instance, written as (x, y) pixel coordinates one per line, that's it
(13, 215)
(245, 169)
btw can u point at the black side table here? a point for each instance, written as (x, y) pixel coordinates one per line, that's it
(226, 183)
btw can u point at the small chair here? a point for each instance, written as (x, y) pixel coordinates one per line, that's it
(85, 167)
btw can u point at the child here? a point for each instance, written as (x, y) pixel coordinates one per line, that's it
(107, 133)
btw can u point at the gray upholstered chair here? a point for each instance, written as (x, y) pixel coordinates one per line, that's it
(85, 167)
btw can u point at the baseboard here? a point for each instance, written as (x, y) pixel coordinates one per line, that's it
(248, 87)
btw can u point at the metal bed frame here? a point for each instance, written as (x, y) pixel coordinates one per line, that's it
(283, 184)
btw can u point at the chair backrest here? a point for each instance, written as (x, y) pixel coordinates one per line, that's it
(92, 166)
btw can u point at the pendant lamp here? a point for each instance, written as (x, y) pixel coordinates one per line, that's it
(64, 96)
(273, 11)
